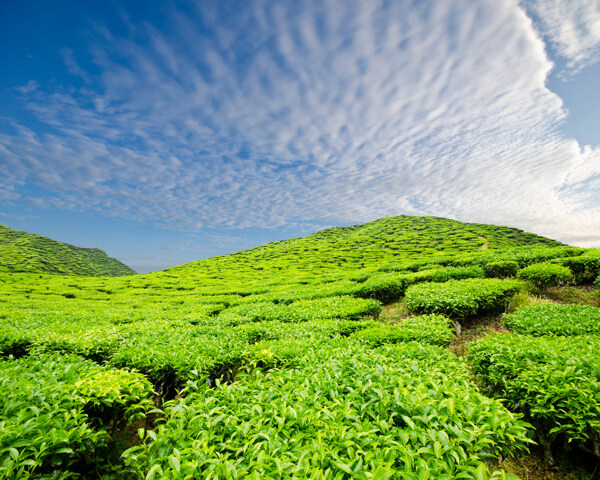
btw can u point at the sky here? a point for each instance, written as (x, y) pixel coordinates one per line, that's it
(166, 132)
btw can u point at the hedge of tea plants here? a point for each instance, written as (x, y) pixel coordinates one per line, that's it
(344, 412)
(552, 380)
(461, 298)
(432, 329)
(555, 319)
(545, 275)
(58, 412)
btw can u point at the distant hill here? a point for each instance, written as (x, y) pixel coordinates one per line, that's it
(28, 252)
(388, 240)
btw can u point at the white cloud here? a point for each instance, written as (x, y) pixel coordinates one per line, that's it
(572, 26)
(330, 111)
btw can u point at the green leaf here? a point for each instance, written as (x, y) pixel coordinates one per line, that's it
(481, 472)
(174, 462)
(153, 472)
(14, 453)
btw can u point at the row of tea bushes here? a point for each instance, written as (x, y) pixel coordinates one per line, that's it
(585, 267)
(553, 381)
(346, 411)
(346, 307)
(426, 329)
(389, 287)
(57, 413)
(171, 351)
(545, 275)
(462, 298)
(555, 320)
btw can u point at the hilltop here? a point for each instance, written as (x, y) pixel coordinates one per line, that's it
(400, 239)
(28, 252)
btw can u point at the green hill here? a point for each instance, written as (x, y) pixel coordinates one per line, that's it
(28, 252)
(401, 239)
(333, 356)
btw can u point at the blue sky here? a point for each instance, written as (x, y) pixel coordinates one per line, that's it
(165, 132)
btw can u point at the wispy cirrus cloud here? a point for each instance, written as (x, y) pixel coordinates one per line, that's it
(324, 111)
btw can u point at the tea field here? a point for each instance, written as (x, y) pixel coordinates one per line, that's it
(283, 361)
(27, 252)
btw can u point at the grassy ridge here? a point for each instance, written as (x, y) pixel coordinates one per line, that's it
(28, 252)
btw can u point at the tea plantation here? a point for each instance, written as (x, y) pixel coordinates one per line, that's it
(27, 252)
(284, 361)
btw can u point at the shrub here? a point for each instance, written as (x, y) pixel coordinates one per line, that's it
(553, 319)
(501, 269)
(552, 380)
(444, 274)
(432, 329)
(461, 298)
(584, 267)
(55, 412)
(545, 275)
(346, 307)
(383, 287)
(341, 412)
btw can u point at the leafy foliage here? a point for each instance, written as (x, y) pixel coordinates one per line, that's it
(304, 310)
(585, 267)
(553, 319)
(461, 298)
(544, 275)
(55, 411)
(346, 412)
(289, 326)
(553, 381)
(432, 329)
(501, 269)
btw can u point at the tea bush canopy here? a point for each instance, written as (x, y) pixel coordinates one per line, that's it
(544, 275)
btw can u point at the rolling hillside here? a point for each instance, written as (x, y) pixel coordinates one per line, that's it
(334, 356)
(28, 252)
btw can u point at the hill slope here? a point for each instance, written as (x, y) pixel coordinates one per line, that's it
(28, 252)
(388, 240)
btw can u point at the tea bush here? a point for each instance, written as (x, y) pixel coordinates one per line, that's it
(544, 275)
(304, 310)
(585, 267)
(432, 329)
(501, 269)
(554, 319)
(461, 298)
(553, 381)
(385, 287)
(55, 412)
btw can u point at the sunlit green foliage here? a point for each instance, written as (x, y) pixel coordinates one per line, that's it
(27, 252)
(57, 412)
(432, 329)
(303, 310)
(462, 298)
(343, 412)
(252, 328)
(501, 269)
(553, 381)
(544, 275)
(553, 319)
(585, 267)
